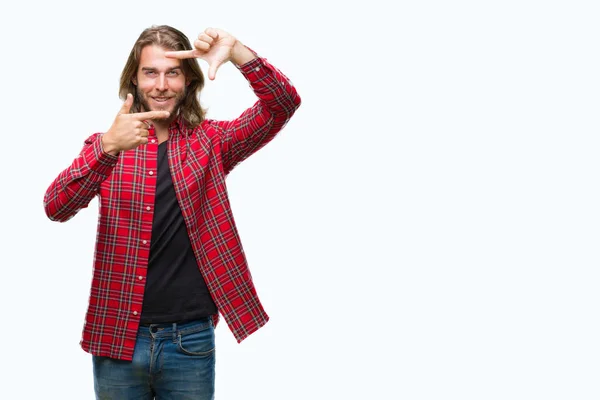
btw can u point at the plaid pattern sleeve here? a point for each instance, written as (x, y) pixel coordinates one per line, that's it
(277, 102)
(77, 185)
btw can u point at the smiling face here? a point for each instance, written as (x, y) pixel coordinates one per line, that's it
(160, 82)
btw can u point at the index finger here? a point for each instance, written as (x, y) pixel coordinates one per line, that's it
(181, 54)
(150, 115)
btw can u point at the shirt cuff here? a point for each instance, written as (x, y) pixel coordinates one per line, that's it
(97, 160)
(255, 70)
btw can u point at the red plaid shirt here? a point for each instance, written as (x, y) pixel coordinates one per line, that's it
(199, 159)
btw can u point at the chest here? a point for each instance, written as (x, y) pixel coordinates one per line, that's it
(190, 161)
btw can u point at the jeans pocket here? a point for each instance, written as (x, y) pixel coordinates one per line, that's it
(200, 343)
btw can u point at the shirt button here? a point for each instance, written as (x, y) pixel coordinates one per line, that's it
(140, 277)
(151, 173)
(144, 241)
(135, 313)
(147, 208)
(152, 141)
(257, 69)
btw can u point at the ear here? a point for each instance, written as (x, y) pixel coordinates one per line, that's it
(188, 81)
(134, 80)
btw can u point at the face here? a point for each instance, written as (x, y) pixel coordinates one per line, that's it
(160, 81)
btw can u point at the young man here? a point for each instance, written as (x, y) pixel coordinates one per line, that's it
(168, 258)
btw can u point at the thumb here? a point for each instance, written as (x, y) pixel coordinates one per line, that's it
(126, 107)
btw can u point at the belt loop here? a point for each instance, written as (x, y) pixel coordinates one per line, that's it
(174, 332)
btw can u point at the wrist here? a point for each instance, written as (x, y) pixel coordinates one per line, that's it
(240, 54)
(108, 146)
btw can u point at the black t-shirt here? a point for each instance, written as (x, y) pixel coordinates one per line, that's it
(175, 289)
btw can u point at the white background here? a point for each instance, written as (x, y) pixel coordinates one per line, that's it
(425, 227)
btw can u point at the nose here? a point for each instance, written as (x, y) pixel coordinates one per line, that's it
(162, 82)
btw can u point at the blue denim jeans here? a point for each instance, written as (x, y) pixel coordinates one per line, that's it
(170, 362)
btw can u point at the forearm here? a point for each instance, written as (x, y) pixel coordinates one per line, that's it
(278, 98)
(278, 101)
(78, 184)
(240, 54)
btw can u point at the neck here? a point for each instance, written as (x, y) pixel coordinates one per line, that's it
(161, 128)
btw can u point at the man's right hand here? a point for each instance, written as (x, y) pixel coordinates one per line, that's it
(129, 130)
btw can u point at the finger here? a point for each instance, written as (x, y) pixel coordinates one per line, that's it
(142, 132)
(143, 140)
(151, 115)
(181, 54)
(212, 33)
(142, 124)
(126, 107)
(201, 45)
(205, 38)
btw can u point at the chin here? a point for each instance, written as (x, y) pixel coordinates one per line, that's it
(162, 109)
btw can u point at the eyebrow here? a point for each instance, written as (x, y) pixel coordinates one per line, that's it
(154, 69)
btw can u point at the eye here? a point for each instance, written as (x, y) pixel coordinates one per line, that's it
(173, 73)
(150, 73)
